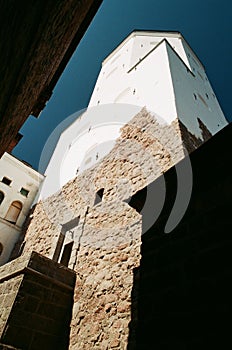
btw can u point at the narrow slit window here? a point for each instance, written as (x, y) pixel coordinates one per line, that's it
(99, 196)
(66, 254)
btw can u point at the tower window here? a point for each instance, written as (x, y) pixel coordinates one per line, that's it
(1, 196)
(195, 96)
(24, 192)
(202, 99)
(99, 196)
(6, 181)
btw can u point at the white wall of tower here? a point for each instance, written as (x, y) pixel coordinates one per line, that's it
(152, 69)
(194, 96)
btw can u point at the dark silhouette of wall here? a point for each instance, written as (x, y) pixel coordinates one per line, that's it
(37, 39)
(183, 297)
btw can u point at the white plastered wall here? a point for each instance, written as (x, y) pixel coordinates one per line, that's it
(21, 176)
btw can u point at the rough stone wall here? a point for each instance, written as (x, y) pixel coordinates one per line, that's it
(36, 303)
(9, 287)
(107, 240)
(8, 293)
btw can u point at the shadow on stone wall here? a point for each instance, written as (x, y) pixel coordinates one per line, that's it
(183, 298)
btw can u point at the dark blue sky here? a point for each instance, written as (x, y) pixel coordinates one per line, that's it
(205, 24)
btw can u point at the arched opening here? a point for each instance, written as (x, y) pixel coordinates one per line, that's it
(1, 196)
(99, 196)
(13, 212)
(1, 248)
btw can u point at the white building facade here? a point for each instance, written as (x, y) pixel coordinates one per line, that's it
(19, 184)
(156, 70)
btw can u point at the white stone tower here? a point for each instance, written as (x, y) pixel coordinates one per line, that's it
(159, 70)
(155, 70)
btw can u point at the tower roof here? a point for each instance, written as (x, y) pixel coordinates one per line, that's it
(155, 33)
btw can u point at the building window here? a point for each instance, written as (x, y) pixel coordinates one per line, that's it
(6, 181)
(202, 99)
(99, 196)
(1, 196)
(13, 212)
(195, 96)
(24, 192)
(66, 254)
(65, 228)
(1, 248)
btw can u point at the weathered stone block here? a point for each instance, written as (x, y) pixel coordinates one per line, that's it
(29, 310)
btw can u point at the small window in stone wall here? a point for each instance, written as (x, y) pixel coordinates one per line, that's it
(1, 248)
(66, 254)
(1, 196)
(6, 181)
(99, 196)
(24, 192)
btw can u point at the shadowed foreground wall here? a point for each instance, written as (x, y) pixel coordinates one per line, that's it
(36, 297)
(183, 299)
